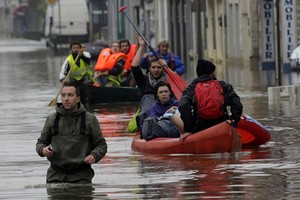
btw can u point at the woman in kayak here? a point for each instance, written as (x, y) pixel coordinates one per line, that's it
(158, 122)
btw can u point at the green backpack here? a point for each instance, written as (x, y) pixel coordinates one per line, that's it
(132, 126)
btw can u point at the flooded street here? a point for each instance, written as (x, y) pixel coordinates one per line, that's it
(29, 81)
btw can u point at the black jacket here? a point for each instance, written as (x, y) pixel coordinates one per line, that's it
(142, 82)
(188, 108)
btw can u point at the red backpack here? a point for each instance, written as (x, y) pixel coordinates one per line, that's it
(210, 99)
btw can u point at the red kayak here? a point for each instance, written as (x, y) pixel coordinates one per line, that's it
(217, 139)
(252, 132)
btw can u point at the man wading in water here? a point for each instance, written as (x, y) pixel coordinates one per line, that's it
(71, 140)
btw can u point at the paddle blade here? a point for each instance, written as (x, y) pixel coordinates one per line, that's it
(236, 142)
(123, 8)
(53, 102)
(177, 83)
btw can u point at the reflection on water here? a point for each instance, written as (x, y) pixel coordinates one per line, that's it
(70, 192)
(29, 80)
(114, 119)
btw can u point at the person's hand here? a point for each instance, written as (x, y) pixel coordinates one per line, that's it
(100, 73)
(162, 62)
(81, 50)
(104, 73)
(140, 40)
(146, 55)
(47, 151)
(183, 136)
(96, 74)
(231, 122)
(172, 109)
(89, 159)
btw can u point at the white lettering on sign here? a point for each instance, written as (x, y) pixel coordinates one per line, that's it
(268, 41)
(288, 30)
(268, 31)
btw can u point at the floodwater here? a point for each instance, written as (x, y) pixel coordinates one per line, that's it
(29, 80)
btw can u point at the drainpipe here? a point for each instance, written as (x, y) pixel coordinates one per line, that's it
(277, 42)
(59, 22)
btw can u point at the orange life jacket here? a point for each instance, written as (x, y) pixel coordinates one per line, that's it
(130, 56)
(106, 60)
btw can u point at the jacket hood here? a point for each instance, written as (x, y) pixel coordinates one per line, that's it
(61, 110)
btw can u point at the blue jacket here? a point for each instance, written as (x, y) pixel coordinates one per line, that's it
(169, 58)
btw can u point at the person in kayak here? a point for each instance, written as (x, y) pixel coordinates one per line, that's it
(158, 122)
(173, 60)
(130, 50)
(109, 66)
(146, 82)
(204, 102)
(71, 139)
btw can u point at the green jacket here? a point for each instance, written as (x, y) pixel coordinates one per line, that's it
(69, 129)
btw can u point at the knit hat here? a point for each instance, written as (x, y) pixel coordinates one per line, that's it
(205, 67)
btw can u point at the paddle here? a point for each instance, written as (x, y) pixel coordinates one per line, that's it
(235, 140)
(53, 102)
(176, 82)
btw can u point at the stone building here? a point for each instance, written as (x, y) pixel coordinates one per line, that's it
(230, 33)
(21, 18)
(250, 41)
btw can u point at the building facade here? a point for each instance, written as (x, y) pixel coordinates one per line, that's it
(250, 41)
(228, 32)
